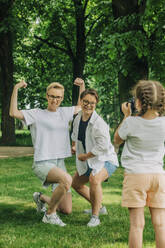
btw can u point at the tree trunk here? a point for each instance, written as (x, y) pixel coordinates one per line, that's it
(79, 59)
(6, 85)
(78, 68)
(138, 67)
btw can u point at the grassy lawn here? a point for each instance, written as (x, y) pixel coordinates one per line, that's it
(21, 226)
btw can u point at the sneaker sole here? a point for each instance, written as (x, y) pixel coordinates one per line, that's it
(46, 222)
(94, 225)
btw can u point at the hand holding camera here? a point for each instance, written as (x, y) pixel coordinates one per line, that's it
(128, 108)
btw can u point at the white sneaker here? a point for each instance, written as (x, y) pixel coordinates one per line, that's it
(53, 219)
(102, 211)
(40, 205)
(94, 221)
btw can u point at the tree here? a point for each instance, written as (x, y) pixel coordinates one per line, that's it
(129, 48)
(138, 26)
(112, 43)
(127, 15)
(67, 29)
(6, 71)
(13, 26)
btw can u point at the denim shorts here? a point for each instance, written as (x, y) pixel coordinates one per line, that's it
(107, 165)
(42, 168)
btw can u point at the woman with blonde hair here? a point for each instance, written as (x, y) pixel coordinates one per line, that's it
(51, 140)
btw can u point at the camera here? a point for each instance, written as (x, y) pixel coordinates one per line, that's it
(132, 102)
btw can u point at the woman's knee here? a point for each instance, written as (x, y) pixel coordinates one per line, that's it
(93, 180)
(66, 210)
(66, 181)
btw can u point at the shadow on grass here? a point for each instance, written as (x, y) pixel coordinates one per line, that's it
(114, 227)
(17, 214)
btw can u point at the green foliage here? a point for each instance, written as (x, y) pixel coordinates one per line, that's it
(23, 138)
(121, 45)
(112, 45)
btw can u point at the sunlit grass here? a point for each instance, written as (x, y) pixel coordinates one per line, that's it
(21, 226)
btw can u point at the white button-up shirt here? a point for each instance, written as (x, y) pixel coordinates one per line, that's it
(97, 141)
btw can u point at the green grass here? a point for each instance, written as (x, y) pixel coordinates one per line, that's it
(21, 226)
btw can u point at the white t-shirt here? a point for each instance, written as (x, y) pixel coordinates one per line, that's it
(143, 150)
(50, 132)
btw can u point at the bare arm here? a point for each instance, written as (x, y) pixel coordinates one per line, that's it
(14, 112)
(126, 108)
(79, 82)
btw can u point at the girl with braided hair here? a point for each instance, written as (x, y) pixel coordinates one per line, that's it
(142, 159)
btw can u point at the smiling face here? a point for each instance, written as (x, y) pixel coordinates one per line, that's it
(88, 104)
(54, 97)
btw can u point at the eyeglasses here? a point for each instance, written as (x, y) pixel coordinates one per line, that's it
(86, 102)
(51, 97)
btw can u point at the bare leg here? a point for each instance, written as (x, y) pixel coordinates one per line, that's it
(136, 227)
(78, 185)
(57, 175)
(65, 205)
(45, 198)
(96, 190)
(158, 221)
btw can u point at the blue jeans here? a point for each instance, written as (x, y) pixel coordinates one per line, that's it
(107, 165)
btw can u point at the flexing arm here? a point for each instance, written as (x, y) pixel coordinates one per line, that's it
(79, 82)
(14, 112)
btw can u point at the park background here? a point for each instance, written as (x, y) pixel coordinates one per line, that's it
(111, 45)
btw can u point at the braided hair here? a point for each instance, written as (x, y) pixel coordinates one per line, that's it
(151, 95)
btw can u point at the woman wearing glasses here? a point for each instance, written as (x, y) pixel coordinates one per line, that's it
(96, 159)
(50, 135)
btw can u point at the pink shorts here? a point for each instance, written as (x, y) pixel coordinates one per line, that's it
(141, 190)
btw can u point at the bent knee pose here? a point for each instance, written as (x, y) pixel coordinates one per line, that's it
(142, 158)
(50, 135)
(96, 159)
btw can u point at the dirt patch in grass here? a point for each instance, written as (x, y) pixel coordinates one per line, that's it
(15, 151)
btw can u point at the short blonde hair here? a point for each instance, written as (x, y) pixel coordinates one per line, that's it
(55, 85)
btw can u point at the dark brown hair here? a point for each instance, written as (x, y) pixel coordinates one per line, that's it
(89, 92)
(151, 95)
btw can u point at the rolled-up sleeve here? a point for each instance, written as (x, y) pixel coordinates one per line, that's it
(29, 116)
